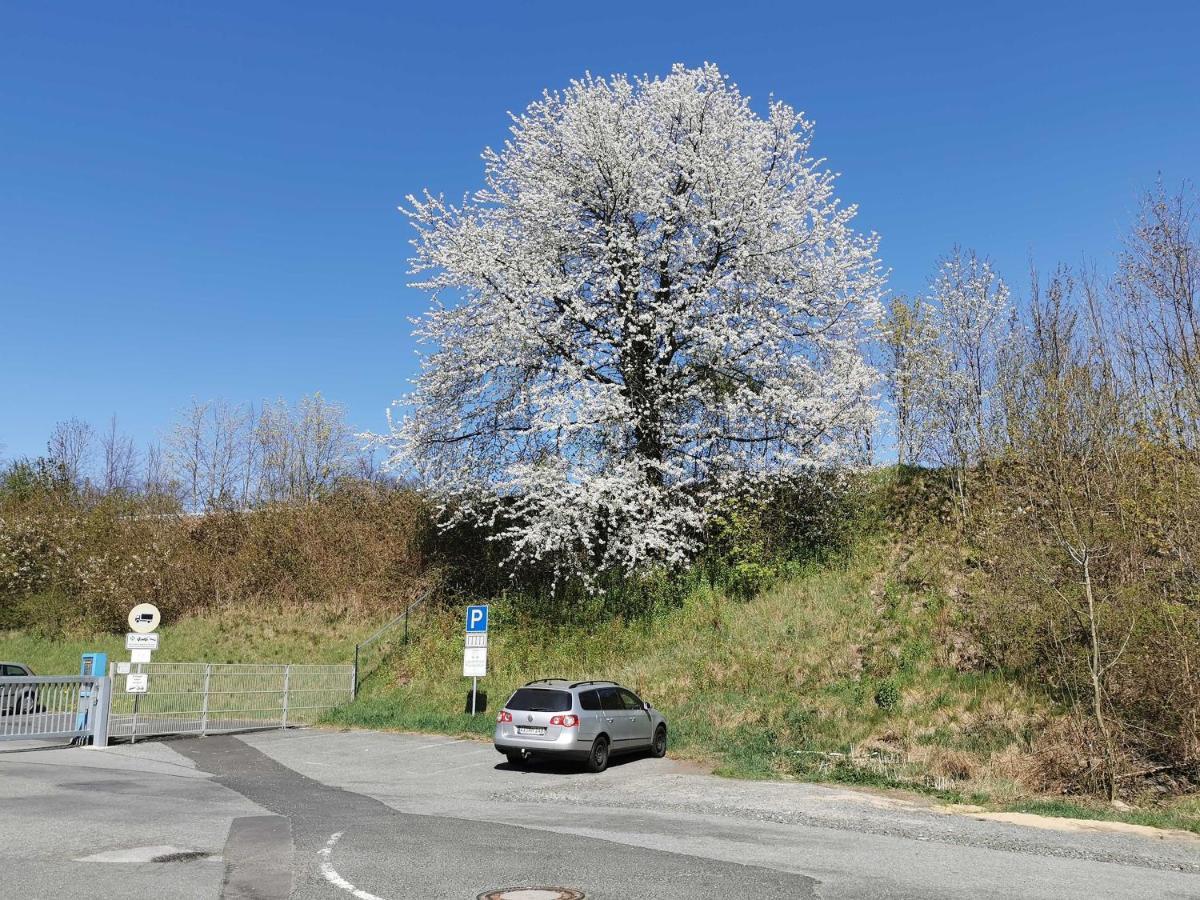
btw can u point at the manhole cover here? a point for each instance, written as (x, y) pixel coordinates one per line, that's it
(533, 893)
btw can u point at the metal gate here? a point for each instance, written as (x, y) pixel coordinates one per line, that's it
(47, 708)
(204, 698)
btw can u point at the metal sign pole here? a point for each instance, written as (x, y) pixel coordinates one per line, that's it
(474, 693)
(136, 698)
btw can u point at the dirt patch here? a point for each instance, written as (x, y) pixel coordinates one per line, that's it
(1056, 823)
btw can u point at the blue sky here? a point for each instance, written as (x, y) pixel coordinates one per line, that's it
(201, 202)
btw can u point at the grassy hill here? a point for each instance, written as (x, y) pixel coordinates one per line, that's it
(321, 635)
(832, 672)
(857, 668)
(851, 671)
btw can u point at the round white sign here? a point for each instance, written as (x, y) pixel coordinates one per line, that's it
(144, 618)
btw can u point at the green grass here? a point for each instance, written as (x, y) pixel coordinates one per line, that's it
(830, 675)
(320, 636)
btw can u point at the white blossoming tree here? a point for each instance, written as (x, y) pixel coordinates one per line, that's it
(974, 324)
(656, 297)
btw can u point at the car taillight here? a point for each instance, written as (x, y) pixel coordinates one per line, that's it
(505, 716)
(565, 721)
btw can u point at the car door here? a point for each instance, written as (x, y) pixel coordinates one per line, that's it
(637, 720)
(592, 717)
(614, 721)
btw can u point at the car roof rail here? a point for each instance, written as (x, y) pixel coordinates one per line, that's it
(582, 683)
(542, 680)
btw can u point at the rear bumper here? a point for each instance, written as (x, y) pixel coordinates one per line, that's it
(578, 752)
(566, 745)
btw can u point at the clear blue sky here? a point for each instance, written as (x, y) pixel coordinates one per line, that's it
(201, 201)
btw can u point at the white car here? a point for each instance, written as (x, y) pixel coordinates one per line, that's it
(16, 699)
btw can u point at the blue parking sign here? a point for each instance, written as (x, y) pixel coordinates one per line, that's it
(477, 619)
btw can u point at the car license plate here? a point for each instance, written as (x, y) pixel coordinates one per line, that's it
(522, 729)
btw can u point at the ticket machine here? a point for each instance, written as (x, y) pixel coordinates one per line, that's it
(90, 664)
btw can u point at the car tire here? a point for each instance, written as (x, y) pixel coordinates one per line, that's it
(27, 705)
(598, 759)
(516, 759)
(658, 747)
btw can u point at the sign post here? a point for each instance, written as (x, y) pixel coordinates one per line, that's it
(475, 649)
(141, 641)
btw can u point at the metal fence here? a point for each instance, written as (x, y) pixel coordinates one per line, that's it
(203, 698)
(371, 652)
(42, 708)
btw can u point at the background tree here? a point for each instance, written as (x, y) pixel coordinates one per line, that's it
(915, 366)
(207, 452)
(119, 461)
(660, 296)
(975, 320)
(70, 448)
(1155, 297)
(303, 452)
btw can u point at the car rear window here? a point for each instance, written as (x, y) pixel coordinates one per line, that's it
(539, 700)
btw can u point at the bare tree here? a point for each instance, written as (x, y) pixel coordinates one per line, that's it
(187, 448)
(1156, 296)
(158, 483)
(207, 449)
(914, 365)
(273, 440)
(70, 448)
(323, 443)
(119, 460)
(303, 451)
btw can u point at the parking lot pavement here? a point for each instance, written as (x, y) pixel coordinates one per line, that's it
(856, 844)
(87, 823)
(318, 814)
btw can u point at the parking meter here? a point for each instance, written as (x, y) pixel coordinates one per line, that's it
(90, 665)
(93, 664)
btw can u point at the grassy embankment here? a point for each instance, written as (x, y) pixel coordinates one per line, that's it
(853, 671)
(842, 673)
(262, 635)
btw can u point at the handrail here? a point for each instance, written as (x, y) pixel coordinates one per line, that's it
(384, 629)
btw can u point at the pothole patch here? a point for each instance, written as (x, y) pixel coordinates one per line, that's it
(533, 893)
(181, 856)
(162, 853)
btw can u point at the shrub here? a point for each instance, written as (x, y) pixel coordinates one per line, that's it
(887, 695)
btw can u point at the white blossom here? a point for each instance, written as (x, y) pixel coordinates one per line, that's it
(656, 294)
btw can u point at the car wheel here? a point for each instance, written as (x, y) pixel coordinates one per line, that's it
(516, 759)
(659, 746)
(27, 704)
(598, 758)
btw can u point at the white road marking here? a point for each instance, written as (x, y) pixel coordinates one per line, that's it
(486, 762)
(398, 754)
(333, 877)
(404, 750)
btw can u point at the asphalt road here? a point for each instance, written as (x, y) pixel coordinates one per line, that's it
(311, 814)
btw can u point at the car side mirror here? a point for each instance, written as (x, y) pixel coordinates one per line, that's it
(646, 705)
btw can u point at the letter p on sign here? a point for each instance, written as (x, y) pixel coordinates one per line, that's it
(477, 619)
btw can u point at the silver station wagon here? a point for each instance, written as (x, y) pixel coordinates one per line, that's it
(585, 720)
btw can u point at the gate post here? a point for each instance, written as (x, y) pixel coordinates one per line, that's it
(204, 701)
(287, 678)
(102, 699)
